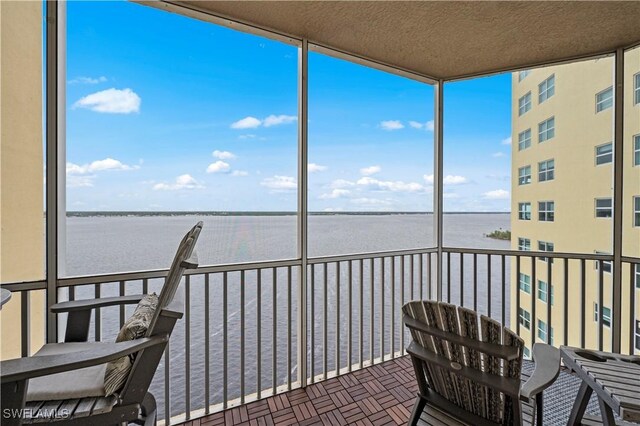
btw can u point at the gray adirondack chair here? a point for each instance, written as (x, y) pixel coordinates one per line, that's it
(73, 371)
(468, 368)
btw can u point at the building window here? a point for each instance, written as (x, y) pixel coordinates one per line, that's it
(524, 244)
(543, 291)
(524, 139)
(636, 211)
(526, 353)
(524, 318)
(638, 334)
(604, 207)
(547, 129)
(604, 100)
(545, 246)
(523, 74)
(607, 265)
(546, 211)
(546, 89)
(524, 104)
(542, 332)
(524, 283)
(606, 315)
(636, 150)
(524, 175)
(524, 211)
(546, 170)
(637, 275)
(604, 154)
(636, 89)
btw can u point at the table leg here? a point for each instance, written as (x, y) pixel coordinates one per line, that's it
(580, 405)
(607, 413)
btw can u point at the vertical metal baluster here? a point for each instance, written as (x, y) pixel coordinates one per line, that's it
(393, 307)
(402, 302)
(583, 300)
(534, 318)
(98, 323)
(242, 335)
(207, 396)
(324, 323)
(475, 282)
(503, 295)
(518, 295)
(632, 306)
(412, 277)
(274, 332)
(225, 340)
(381, 337)
(312, 320)
(25, 323)
(448, 277)
(259, 332)
(421, 271)
(72, 293)
(461, 279)
(428, 276)
(337, 318)
(122, 292)
(600, 305)
(371, 308)
(549, 281)
(489, 285)
(187, 346)
(566, 302)
(145, 286)
(360, 311)
(289, 328)
(350, 320)
(167, 387)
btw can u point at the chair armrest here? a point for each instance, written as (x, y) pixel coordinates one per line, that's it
(547, 368)
(88, 304)
(191, 262)
(15, 370)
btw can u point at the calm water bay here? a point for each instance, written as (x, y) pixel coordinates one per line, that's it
(106, 244)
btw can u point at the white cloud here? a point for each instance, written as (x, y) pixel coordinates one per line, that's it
(223, 155)
(246, 123)
(75, 181)
(111, 101)
(247, 136)
(218, 167)
(447, 180)
(506, 141)
(333, 209)
(98, 165)
(497, 194)
(313, 168)
(336, 193)
(450, 195)
(341, 183)
(497, 154)
(239, 173)
(418, 125)
(185, 181)
(88, 80)
(371, 170)
(253, 122)
(391, 125)
(394, 186)
(274, 120)
(371, 201)
(280, 183)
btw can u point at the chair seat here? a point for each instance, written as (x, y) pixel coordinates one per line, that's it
(76, 384)
(432, 416)
(68, 409)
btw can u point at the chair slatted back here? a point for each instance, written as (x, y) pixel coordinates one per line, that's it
(444, 324)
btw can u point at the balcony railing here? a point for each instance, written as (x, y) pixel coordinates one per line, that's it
(238, 341)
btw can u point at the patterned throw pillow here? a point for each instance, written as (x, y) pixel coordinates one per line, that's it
(135, 327)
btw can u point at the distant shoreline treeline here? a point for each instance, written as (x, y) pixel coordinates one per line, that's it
(249, 213)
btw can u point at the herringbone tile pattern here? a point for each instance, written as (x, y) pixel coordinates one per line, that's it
(379, 395)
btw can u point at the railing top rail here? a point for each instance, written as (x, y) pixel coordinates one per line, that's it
(369, 255)
(523, 253)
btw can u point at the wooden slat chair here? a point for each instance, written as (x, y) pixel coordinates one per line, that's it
(70, 375)
(468, 368)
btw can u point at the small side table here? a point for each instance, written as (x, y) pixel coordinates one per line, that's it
(614, 378)
(5, 296)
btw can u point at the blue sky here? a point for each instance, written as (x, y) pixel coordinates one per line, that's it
(170, 113)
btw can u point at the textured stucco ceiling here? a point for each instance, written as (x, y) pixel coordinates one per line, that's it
(447, 39)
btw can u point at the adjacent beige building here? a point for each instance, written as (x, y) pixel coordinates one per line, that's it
(562, 191)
